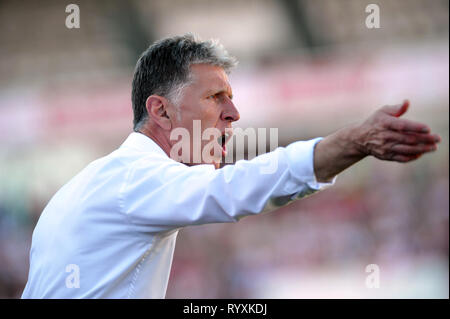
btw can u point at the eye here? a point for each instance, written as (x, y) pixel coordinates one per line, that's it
(219, 96)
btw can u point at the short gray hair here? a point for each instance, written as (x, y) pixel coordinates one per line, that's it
(163, 69)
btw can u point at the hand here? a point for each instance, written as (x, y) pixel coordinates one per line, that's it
(387, 137)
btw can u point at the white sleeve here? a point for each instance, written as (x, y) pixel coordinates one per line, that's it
(163, 195)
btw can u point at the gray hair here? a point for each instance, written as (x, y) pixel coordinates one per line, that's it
(163, 69)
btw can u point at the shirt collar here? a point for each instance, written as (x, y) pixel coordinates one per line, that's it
(142, 142)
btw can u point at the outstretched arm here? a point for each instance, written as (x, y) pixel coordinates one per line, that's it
(383, 135)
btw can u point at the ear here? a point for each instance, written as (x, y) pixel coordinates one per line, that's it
(157, 110)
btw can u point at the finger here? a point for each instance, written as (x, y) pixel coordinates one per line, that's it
(411, 138)
(396, 110)
(401, 125)
(405, 158)
(402, 149)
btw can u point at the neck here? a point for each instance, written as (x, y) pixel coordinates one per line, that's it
(158, 137)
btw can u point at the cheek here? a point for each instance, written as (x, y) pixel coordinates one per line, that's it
(211, 116)
(206, 112)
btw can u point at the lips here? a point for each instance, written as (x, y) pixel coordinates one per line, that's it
(223, 140)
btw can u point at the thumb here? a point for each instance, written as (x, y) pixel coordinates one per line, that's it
(396, 110)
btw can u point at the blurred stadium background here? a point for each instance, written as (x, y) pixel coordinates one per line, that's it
(307, 68)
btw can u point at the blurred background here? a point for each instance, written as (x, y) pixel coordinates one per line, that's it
(307, 67)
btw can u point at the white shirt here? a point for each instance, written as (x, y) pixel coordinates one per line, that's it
(110, 232)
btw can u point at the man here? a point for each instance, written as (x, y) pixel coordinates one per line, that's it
(110, 232)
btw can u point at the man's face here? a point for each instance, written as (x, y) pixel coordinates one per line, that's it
(208, 99)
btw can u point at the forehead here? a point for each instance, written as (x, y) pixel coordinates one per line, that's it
(209, 77)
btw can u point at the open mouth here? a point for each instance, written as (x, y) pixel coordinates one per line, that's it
(223, 140)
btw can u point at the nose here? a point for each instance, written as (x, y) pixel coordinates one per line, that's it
(230, 112)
